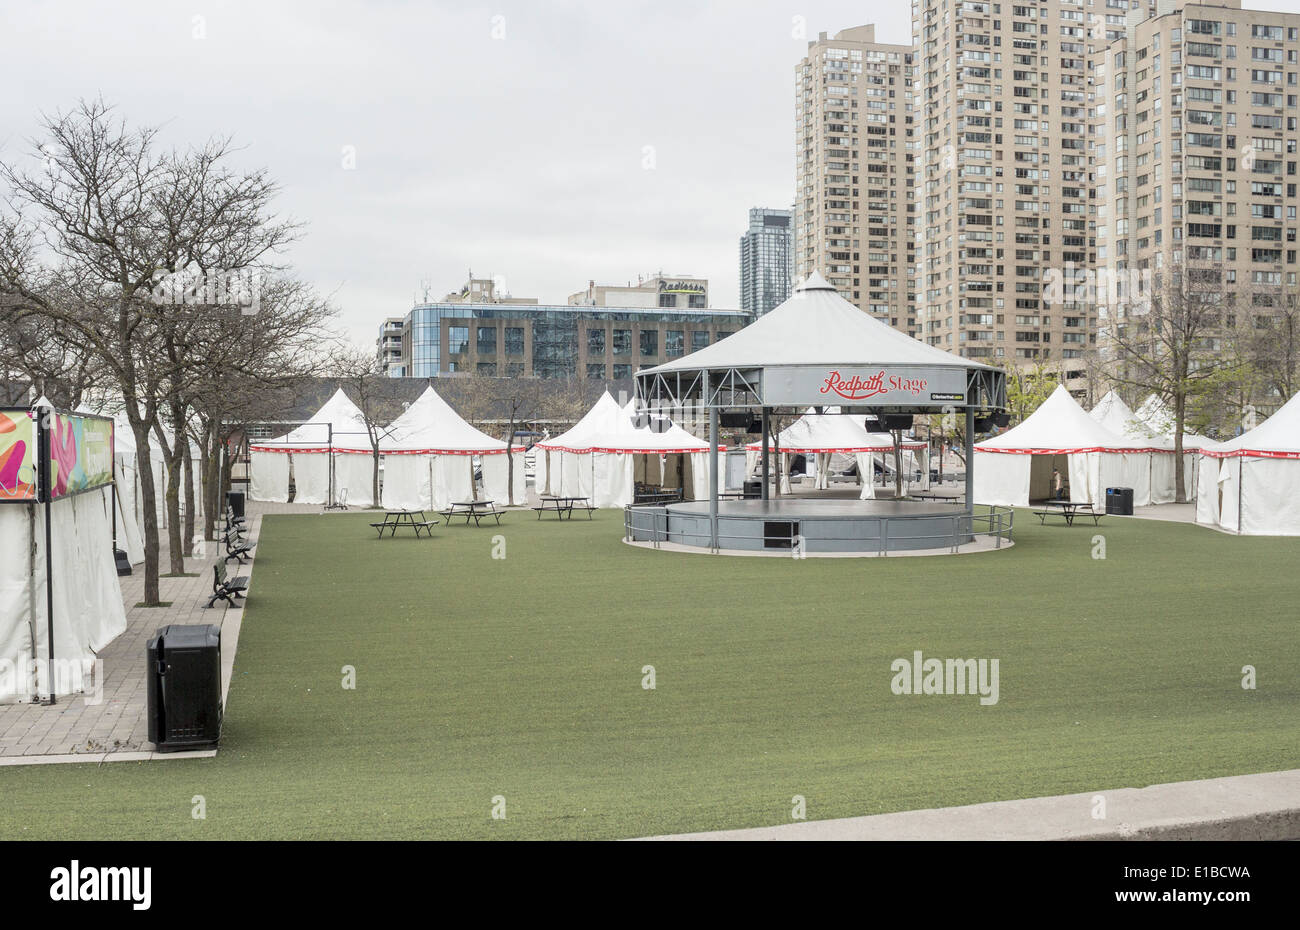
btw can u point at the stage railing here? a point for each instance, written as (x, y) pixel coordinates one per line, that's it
(649, 523)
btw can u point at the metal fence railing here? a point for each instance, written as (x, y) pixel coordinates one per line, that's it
(649, 523)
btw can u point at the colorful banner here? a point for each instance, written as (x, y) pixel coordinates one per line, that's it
(81, 454)
(17, 456)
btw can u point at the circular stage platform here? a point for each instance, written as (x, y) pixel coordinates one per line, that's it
(871, 527)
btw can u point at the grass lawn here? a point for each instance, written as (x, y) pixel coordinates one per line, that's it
(521, 677)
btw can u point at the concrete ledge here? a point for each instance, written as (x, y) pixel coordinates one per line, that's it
(1239, 807)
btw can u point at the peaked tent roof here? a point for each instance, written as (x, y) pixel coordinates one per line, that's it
(349, 431)
(1278, 437)
(600, 418)
(1155, 413)
(816, 326)
(833, 432)
(620, 434)
(1057, 427)
(1118, 417)
(429, 426)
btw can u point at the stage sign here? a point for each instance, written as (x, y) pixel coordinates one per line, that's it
(865, 386)
(81, 453)
(17, 456)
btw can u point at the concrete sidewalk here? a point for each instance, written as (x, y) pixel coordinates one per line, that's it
(1239, 807)
(115, 729)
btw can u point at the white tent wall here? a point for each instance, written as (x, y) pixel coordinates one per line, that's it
(88, 609)
(453, 480)
(1207, 491)
(311, 477)
(1162, 479)
(1229, 474)
(496, 474)
(697, 473)
(867, 475)
(269, 478)
(1003, 478)
(355, 471)
(571, 463)
(1126, 470)
(1270, 496)
(407, 482)
(612, 479)
(1191, 477)
(128, 531)
(542, 471)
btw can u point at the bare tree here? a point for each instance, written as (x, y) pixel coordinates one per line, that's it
(114, 211)
(364, 380)
(1169, 342)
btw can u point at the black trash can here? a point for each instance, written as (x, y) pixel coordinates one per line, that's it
(235, 501)
(184, 687)
(753, 490)
(1119, 501)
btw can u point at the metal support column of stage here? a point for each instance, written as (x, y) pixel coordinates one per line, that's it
(970, 467)
(767, 434)
(331, 504)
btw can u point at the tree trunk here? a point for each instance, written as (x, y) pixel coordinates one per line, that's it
(175, 543)
(149, 506)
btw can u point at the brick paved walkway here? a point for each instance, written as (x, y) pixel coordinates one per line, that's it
(115, 729)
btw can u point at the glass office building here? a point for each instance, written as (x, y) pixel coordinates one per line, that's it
(766, 260)
(554, 341)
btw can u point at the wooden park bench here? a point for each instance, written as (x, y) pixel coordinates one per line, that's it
(224, 587)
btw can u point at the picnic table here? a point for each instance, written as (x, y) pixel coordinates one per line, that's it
(472, 510)
(1069, 510)
(562, 505)
(397, 519)
(932, 496)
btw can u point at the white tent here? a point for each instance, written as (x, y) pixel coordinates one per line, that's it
(605, 454)
(336, 436)
(1251, 483)
(1112, 413)
(1155, 413)
(558, 468)
(429, 455)
(834, 434)
(88, 609)
(1015, 467)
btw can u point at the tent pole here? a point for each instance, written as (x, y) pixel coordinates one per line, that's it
(43, 467)
(767, 429)
(1240, 476)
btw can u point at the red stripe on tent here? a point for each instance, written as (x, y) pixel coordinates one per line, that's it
(627, 451)
(1073, 451)
(1247, 453)
(801, 450)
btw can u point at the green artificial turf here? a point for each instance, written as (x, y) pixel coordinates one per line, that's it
(521, 677)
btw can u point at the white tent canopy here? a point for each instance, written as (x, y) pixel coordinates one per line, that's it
(1251, 483)
(832, 433)
(336, 435)
(1112, 413)
(429, 456)
(1015, 467)
(601, 456)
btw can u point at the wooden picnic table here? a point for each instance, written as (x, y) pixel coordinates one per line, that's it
(397, 519)
(472, 510)
(562, 505)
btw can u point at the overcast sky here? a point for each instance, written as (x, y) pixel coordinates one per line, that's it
(519, 156)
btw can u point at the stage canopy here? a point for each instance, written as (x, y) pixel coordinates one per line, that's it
(814, 349)
(1251, 484)
(429, 459)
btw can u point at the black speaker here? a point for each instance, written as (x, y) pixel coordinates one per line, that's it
(874, 425)
(901, 421)
(1002, 420)
(735, 419)
(983, 424)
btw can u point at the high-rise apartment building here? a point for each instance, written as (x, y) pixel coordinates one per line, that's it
(1003, 101)
(1195, 162)
(854, 204)
(766, 260)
